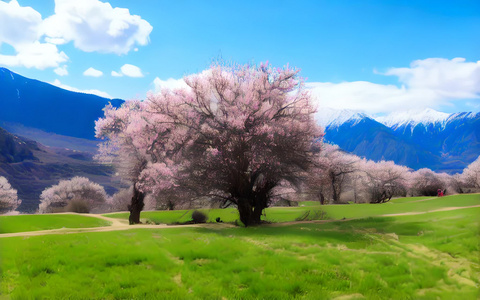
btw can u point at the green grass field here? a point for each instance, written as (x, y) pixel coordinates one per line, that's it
(21, 223)
(314, 210)
(426, 256)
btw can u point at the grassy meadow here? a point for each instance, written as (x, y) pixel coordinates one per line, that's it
(22, 223)
(312, 210)
(433, 255)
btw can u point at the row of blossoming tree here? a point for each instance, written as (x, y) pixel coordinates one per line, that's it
(240, 135)
(337, 172)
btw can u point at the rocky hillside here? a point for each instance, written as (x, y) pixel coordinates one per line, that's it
(30, 167)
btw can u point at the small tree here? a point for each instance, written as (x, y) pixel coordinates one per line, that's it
(8, 196)
(331, 173)
(383, 180)
(79, 192)
(471, 174)
(425, 182)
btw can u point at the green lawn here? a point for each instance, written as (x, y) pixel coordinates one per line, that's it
(310, 210)
(21, 223)
(428, 256)
(272, 214)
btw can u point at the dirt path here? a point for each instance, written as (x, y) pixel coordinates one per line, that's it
(116, 225)
(120, 224)
(430, 211)
(387, 215)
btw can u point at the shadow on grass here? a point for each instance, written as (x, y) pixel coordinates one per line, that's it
(339, 231)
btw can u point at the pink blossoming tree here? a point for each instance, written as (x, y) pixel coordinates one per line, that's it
(234, 134)
(425, 182)
(332, 172)
(8, 196)
(471, 174)
(384, 179)
(78, 192)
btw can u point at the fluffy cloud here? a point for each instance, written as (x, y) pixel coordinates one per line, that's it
(128, 70)
(73, 89)
(426, 83)
(116, 74)
(454, 78)
(170, 83)
(20, 28)
(91, 24)
(96, 26)
(92, 72)
(35, 55)
(61, 71)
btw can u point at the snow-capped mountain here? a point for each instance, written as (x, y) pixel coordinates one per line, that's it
(413, 118)
(417, 139)
(327, 117)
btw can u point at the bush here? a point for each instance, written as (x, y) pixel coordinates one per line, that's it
(199, 217)
(78, 206)
(78, 188)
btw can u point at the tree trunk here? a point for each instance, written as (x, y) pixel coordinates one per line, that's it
(136, 206)
(322, 198)
(335, 195)
(249, 214)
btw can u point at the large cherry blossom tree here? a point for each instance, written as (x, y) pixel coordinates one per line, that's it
(8, 196)
(234, 134)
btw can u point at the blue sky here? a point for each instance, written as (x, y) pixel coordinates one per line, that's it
(374, 56)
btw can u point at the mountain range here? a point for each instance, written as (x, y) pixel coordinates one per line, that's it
(417, 139)
(43, 106)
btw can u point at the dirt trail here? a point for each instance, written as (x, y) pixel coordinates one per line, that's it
(430, 211)
(120, 224)
(387, 215)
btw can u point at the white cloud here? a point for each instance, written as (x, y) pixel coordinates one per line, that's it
(91, 24)
(454, 78)
(116, 74)
(36, 55)
(131, 71)
(92, 72)
(96, 26)
(61, 71)
(19, 26)
(170, 83)
(73, 89)
(432, 82)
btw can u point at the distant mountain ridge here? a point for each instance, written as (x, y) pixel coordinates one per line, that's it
(41, 105)
(425, 139)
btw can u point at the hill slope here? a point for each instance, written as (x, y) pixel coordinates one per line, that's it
(43, 106)
(30, 167)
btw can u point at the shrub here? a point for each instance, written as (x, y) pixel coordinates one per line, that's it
(58, 197)
(199, 217)
(78, 206)
(8, 196)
